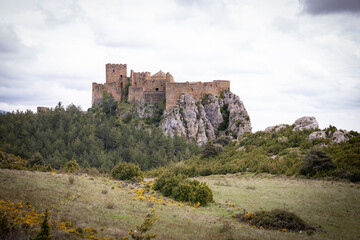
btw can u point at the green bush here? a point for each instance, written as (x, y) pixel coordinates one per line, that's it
(223, 140)
(71, 166)
(276, 219)
(185, 190)
(211, 149)
(10, 161)
(127, 171)
(316, 161)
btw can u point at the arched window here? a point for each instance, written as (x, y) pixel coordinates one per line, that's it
(157, 89)
(113, 70)
(121, 85)
(120, 76)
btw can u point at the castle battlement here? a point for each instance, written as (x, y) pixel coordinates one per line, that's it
(151, 88)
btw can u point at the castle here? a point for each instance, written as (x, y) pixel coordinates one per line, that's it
(151, 88)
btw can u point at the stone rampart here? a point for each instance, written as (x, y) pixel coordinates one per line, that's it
(154, 97)
(196, 89)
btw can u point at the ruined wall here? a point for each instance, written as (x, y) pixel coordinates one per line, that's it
(98, 90)
(196, 89)
(135, 94)
(138, 78)
(154, 97)
(114, 90)
(97, 93)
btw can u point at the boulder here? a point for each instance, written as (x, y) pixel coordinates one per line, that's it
(275, 128)
(304, 123)
(316, 135)
(339, 136)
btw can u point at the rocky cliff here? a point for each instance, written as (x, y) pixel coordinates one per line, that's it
(208, 119)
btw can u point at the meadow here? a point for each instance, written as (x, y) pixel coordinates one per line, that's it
(114, 207)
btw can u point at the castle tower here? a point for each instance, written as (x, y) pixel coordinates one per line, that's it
(116, 73)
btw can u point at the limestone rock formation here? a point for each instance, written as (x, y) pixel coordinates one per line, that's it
(336, 136)
(305, 123)
(339, 136)
(316, 135)
(143, 110)
(275, 128)
(203, 121)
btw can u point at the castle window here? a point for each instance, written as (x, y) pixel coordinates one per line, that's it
(121, 76)
(121, 85)
(157, 89)
(113, 70)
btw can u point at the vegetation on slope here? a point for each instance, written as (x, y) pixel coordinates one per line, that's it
(99, 138)
(108, 209)
(281, 152)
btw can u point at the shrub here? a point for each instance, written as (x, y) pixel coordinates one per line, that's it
(10, 161)
(202, 194)
(210, 150)
(167, 182)
(316, 161)
(127, 171)
(71, 180)
(225, 115)
(36, 159)
(223, 140)
(181, 189)
(141, 231)
(277, 219)
(71, 166)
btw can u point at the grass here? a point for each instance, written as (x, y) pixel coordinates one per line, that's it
(333, 205)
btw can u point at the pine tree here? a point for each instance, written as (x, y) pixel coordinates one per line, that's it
(44, 233)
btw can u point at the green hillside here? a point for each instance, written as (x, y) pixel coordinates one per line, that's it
(86, 207)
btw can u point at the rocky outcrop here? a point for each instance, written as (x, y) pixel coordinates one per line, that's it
(205, 120)
(339, 136)
(305, 123)
(336, 136)
(141, 109)
(275, 128)
(316, 135)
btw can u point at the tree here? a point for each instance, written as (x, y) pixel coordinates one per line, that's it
(316, 161)
(209, 150)
(44, 233)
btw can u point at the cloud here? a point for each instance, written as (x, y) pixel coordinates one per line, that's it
(320, 7)
(282, 64)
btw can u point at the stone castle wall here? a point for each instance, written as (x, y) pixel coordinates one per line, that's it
(197, 90)
(135, 94)
(153, 89)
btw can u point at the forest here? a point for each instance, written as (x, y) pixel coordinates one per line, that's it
(98, 138)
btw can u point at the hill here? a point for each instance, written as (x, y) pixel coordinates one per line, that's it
(110, 208)
(279, 151)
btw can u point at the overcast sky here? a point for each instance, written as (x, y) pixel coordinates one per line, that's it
(285, 58)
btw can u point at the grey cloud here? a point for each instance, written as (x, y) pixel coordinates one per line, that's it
(320, 7)
(9, 41)
(60, 12)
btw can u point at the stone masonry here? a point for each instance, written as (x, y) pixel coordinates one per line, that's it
(151, 88)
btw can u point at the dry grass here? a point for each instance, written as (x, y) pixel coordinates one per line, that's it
(334, 206)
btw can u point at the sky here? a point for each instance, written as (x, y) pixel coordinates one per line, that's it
(285, 58)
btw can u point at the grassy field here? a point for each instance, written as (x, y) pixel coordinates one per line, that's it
(117, 207)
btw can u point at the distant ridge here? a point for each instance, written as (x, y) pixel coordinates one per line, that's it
(3, 112)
